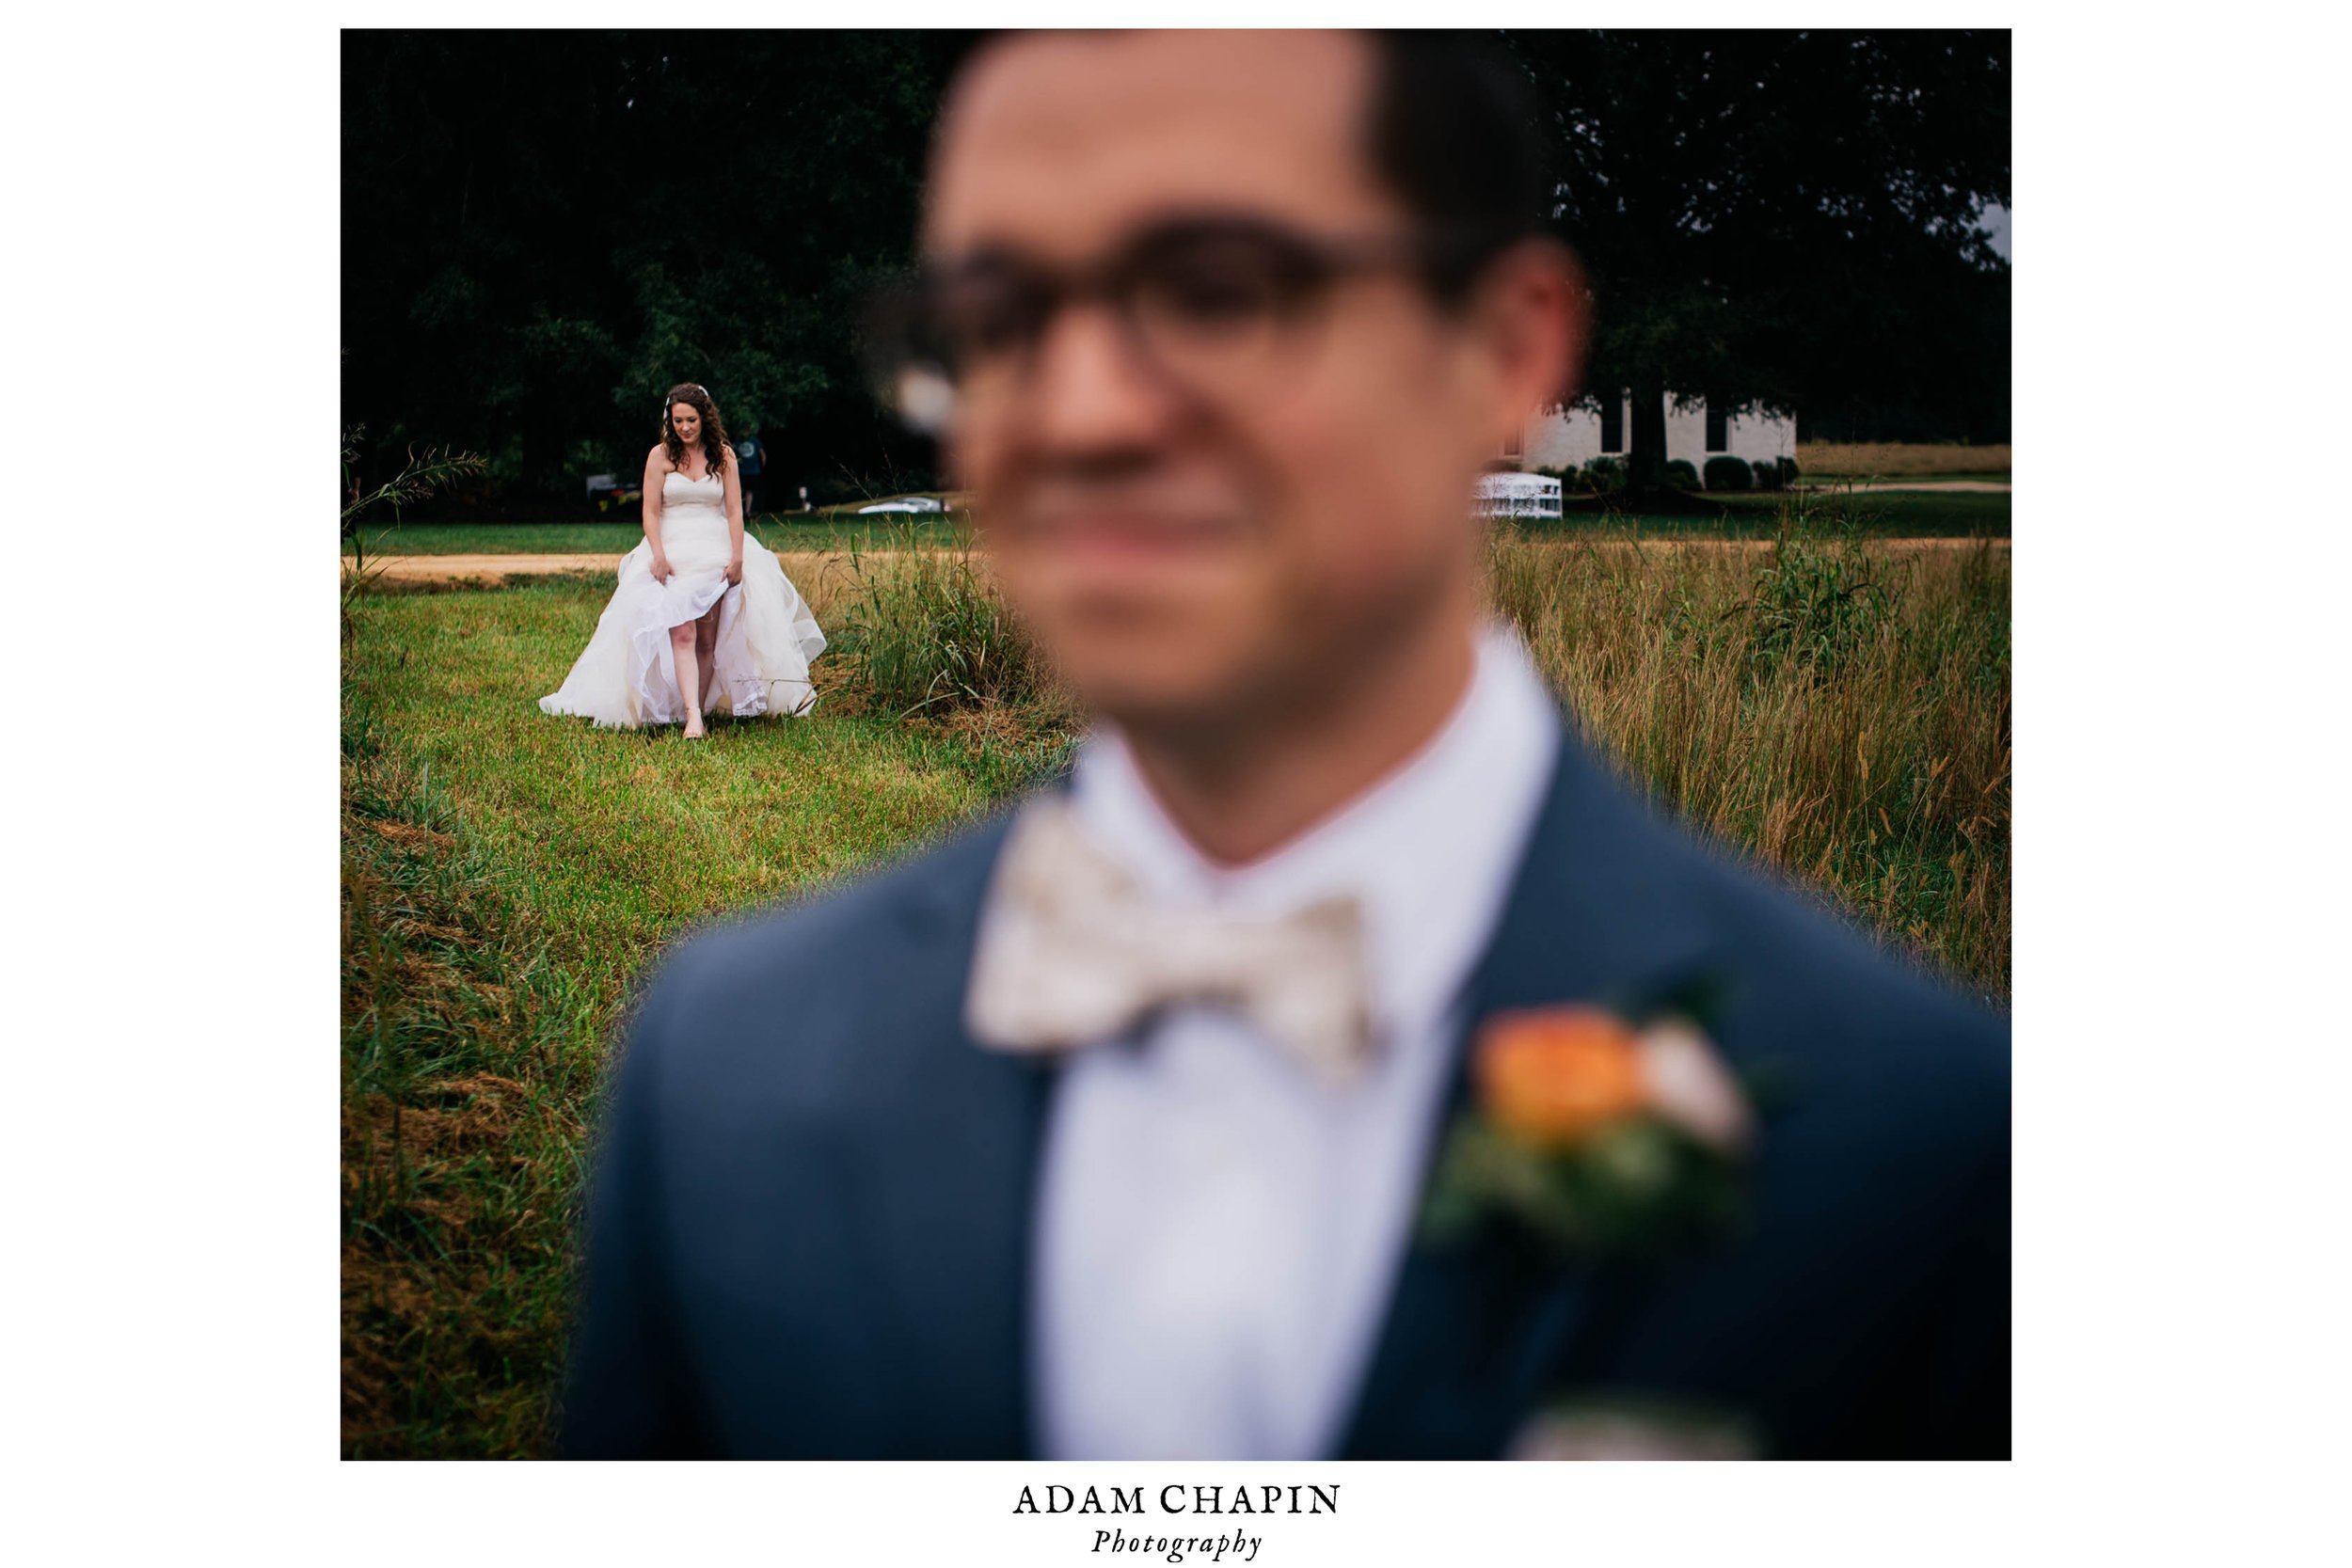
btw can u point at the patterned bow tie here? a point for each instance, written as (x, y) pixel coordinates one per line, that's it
(1074, 953)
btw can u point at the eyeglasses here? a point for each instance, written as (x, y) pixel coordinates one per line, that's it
(1221, 307)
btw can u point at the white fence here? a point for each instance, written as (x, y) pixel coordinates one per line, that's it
(1517, 495)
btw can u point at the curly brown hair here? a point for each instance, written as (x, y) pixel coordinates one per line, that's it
(714, 438)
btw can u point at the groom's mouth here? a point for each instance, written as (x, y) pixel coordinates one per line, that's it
(1112, 536)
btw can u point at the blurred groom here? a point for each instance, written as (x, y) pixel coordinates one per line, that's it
(1107, 1130)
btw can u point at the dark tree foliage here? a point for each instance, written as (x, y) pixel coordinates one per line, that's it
(1787, 220)
(543, 231)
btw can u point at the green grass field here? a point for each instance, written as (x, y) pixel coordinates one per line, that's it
(1841, 710)
(505, 875)
(1892, 514)
(1879, 513)
(613, 538)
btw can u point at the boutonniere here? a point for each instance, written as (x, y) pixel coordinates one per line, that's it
(1594, 1134)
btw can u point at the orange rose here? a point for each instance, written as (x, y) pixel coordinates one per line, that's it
(1556, 1076)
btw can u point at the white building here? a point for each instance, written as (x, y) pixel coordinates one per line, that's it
(1575, 436)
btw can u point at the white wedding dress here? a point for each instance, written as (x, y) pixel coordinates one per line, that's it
(766, 633)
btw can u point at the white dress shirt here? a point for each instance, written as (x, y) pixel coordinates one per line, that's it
(1219, 1230)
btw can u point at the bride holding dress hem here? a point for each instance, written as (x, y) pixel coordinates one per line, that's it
(694, 620)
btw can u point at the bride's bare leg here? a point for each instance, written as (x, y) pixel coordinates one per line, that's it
(705, 651)
(688, 678)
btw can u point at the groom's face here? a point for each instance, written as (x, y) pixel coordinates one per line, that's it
(1216, 470)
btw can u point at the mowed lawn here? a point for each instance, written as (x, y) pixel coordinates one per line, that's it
(1838, 709)
(1874, 514)
(610, 536)
(506, 876)
(613, 837)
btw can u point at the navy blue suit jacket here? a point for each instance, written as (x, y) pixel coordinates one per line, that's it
(809, 1233)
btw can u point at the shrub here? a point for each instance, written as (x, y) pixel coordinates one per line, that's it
(1817, 603)
(1729, 474)
(1681, 475)
(925, 631)
(1768, 475)
(1602, 474)
(1788, 471)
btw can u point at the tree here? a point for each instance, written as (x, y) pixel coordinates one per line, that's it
(1784, 220)
(543, 230)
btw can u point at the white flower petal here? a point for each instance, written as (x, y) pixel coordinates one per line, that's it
(1689, 1086)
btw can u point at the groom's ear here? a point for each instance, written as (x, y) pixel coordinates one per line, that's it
(1531, 315)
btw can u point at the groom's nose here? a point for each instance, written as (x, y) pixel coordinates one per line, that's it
(1089, 392)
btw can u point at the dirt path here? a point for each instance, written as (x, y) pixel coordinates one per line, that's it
(804, 566)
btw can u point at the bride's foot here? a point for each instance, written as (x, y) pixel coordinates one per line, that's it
(694, 730)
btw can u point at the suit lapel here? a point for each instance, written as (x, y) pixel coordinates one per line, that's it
(1474, 1333)
(943, 1182)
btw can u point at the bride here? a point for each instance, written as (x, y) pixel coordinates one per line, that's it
(694, 616)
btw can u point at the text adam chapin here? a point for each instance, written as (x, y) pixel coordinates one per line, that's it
(1177, 1497)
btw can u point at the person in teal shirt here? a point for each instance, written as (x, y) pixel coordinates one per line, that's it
(750, 455)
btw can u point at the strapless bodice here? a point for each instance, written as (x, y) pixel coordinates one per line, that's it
(678, 490)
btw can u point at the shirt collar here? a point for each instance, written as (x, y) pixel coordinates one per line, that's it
(1429, 850)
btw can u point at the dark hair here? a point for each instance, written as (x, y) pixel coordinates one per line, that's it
(1454, 130)
(714, 437)
(1455, 133)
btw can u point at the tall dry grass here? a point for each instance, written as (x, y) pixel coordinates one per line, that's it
(1835, 706)
(924, 631)
(1838, 708)
(1896, 459)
